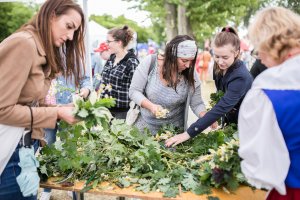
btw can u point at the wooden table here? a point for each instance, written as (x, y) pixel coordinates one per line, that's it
(243, 193)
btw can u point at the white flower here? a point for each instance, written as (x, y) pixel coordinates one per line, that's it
(76, 98)
(204, 158)
(97, 128)
(213, 152)
(102, 86)
(100, 91)
(108, 87)
(98, 76)
(212, 164)
(58, 145)
(161, 113)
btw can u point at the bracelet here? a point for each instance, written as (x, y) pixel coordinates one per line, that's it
(88, 93)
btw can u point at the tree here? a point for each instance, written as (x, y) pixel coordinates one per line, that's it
(206, 16)
(183, 22)
(291, 4)
(13, 16)
(170, 20)
(158, 13)
(199, 18)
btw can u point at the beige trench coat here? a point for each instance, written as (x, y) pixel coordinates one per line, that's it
(24, 78)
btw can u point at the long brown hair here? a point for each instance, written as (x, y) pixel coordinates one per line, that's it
(68, 59)
(170, 65)
(227, 36)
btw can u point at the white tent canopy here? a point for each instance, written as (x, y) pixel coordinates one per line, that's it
(97, 34)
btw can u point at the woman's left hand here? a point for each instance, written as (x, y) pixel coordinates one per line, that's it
(177, 139)
(84, 92)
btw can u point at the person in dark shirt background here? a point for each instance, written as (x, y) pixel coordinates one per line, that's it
(257, 68)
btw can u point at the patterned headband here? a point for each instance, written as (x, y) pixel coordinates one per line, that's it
(187, 49)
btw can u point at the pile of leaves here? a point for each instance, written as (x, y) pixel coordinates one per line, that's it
(101, 148)
(215, 98)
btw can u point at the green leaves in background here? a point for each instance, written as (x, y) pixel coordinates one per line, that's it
(13, 16)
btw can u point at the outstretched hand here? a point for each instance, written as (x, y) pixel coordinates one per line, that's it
(177, 139)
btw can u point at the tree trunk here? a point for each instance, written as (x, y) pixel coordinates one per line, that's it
(171, 24)
(183, 24)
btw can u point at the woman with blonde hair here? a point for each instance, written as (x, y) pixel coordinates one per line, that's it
(270, 113)
(51, 43)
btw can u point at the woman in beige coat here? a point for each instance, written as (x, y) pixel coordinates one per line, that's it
(51, 43)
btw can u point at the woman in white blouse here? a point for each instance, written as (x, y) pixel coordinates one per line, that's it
(269, 117)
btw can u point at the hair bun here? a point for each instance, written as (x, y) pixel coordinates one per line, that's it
(229, 29)
(125, 28)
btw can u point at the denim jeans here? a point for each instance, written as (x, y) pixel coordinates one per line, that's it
(50, 135)
(9, 188)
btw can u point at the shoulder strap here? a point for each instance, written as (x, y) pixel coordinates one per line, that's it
(152, 63)
(27, 133)
(153, 57)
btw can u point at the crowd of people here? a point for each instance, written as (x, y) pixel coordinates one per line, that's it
(263, 101)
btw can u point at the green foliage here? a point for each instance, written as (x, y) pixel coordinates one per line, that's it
(221, 167)
(215, 98)
(290, 4)
(100, 149)
(157, 16)
(204, 16)
(110, 22)
(13, 16)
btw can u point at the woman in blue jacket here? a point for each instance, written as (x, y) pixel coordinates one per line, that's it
(231, 76)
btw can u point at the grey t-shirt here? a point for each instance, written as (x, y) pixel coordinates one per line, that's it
(148, 85)
(168, 98)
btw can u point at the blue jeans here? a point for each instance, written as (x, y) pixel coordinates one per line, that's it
(50, 135)
(9, 188)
